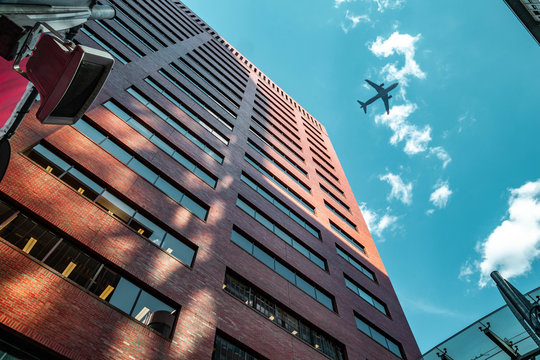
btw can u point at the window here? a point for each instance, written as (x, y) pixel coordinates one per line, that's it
(340, 215)
(163, 144)
(278, 182)
(279, 131)
(379, 336)
(280, 232)
(148, 172)
(105, 45)
(227, 349)
(348, 237)
(267, 115)
(329, 182)
(213, 65)
(71, 262)
(268, 307)
(120, 38)
(133, 33)
(280, 205)
(366, 295)
(186, 110)
(278, 165)
(359, 266)
(278, 150)
(269, 132)
(345, 206)
(44, 157)
(178, 126)
(241, 239)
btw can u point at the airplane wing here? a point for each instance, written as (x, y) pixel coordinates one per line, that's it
(375, 86)
(386, 105)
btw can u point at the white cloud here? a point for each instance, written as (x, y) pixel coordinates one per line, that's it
(515, 244)
(401, 44)
(416, 139)
(387, 4)
(466, 271)
(354, 20)
(441, 154)
(337, 3)
(377, 224)
(440, 196)
(400, 190)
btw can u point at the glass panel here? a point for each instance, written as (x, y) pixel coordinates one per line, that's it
(285, 272)
(85, 269)
(379, 306)
(115, 207)
(205, 177)
(394, 348)
(117, 111)
(264, 221)
(241, 241)
(184, 161)
(116, 151)
(79, 186)
(149, 302)
(61, 258)
(45, 242)
(105, 280)
(362, 326)
(195, 208)
(168, 189)
(263, 256)
(85, 180)
(178, 249)
(162, 145)
(242, 205)
(283, 236)
(325, 300)
(143, 170)
(318, 261)
(305, 286)
(124, 295)
(89, 131)
(378, 337)
(301, 248)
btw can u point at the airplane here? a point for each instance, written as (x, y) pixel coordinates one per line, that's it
(382, 94)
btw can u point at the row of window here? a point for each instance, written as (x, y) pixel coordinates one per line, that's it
(347, 237)
(241, 79)
(116, 34)
(278, 150)
(321, 151)
(105, 45)
(282, 105)
(378, 335)
(312, 138)
(206, 80)
(359, 266)
(155, 21)
(98, 194)
(193, 97)
(314, 135)
(163, 144)
(149, 172)
(279, 266)
(219, 69)
(335, 187)
(195, 83)
(328, 172)
(271, 107)
(335, 198)
(179, 23)
(192, 114)
(340, 215)
(259, 111)
(226, 56)
(282, 316)
(280, 205)
(133, 33)
(278, 182)
(321, 158)
(241, 74)
(287, 172)
(280, 232)
(317, 131)
(68, 260)
(225, 349)
(219, 79)
(366, 295)
(279, 131)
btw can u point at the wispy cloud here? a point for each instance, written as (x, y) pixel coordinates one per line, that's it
(515, 244)
(439, 197)
(353, 21)
(388, 4)
(377, 224)
(416, 139)
(441, 154)
(401, 44)
(400, 190)
(337, 3)
(432, 309)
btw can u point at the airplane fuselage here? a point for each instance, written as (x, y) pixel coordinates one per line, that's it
(382, 93)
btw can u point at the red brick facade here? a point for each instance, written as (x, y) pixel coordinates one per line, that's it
(42, 305)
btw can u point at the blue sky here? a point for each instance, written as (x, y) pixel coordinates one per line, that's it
(450, 181)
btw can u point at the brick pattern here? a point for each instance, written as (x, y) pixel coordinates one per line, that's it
(40, 304)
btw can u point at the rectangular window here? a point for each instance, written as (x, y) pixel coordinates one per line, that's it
(357, 264)
(378, 335)
(178, 126)
(225, 348)
(216, 76)
(219, 70)
(105, 45)
(278, 165)
(148, 172)
(163, 144)
(280, 232)
(347, 237)
(192, 114)
(120, 38)
(278, 182)
(259, 111)
(297, 326)
(366, 295)
(321, 158)
(321, 151)
(69, 261)
(328, 172)
(340, 215)
(181, 249)
(345, 206)
(242, 80)
(133, 33)
(274, 136)
(277, 138)
(271, 106)
(290, 274)
(280, 205)
(278, 150)
(329, 182)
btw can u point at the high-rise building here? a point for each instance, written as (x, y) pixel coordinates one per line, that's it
(528, 12)
(195, 212)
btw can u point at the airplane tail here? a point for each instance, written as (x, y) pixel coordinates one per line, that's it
(363, 105)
